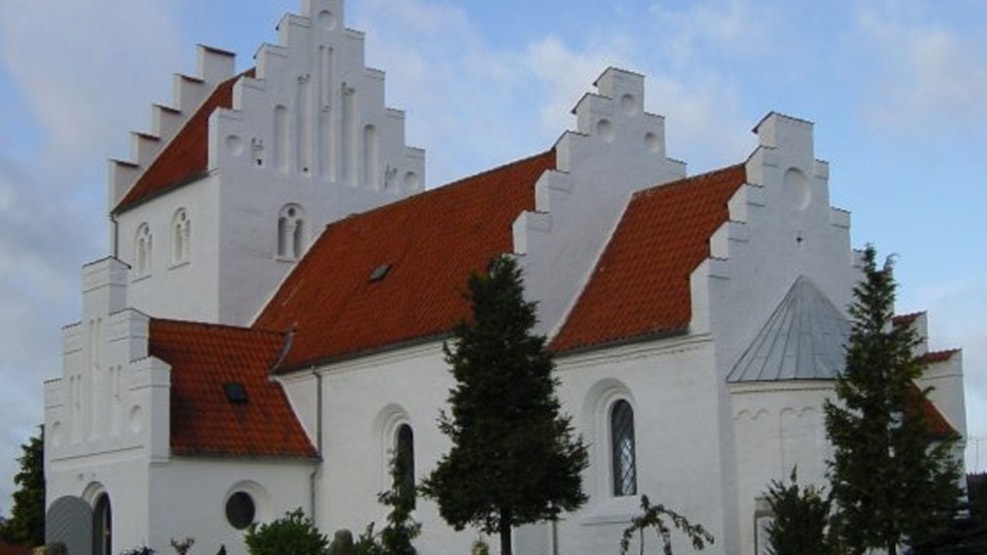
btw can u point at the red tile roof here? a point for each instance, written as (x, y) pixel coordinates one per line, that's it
(939, 427)
(905, 319)
(186, 157)
(12, 549)
(432, 241)
(203, 358)
(640, 285)
(933, 357)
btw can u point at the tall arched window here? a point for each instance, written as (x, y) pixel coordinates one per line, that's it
(291, 232)
(404, 459)
(142, 250)
(623, 458)
(181, 236)
(102, 526)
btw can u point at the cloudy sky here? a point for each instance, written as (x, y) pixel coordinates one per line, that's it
(896, 89)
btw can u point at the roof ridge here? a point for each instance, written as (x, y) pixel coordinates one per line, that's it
(216, 325)
(682, 182)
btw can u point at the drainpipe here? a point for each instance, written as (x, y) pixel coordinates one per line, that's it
(116, 236)
(317, 471)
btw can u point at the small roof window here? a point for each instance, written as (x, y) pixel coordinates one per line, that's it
(236, 393)
(380, 272)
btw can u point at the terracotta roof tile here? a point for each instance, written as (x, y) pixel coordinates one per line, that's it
(203, 358)
(939, 427)
(641, 284)
(904, 319)
(13, 549)
(933, 357)
(432, 241)
(186, 157)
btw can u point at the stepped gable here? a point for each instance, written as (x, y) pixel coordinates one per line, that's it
(640, 286)
(186, 158)
(204, 421)
(939, 427)
(398, 273)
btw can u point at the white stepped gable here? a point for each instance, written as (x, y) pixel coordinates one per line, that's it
(617, 149)
(315, 111)
(213, 66)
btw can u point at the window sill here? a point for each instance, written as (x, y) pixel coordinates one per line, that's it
(181, 264)
(141, 277)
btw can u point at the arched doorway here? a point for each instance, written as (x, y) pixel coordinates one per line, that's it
(102, 526)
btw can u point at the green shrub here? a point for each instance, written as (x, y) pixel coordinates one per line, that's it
(293, 533)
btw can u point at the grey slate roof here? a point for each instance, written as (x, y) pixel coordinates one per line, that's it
(802, 340)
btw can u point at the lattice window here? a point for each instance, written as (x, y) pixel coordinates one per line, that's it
(404, 457)
(623, 457)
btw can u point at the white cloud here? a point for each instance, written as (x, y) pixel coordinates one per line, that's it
(927, 75)
(86, 71)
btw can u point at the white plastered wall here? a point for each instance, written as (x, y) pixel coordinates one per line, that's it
(108, 416)
(617, 149)
(311, 129)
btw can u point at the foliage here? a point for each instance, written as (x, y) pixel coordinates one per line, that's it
(27, 517)
(801, 516)
(514, 459)
(891, 481)
(401, 529)
(293, 533)
(653, 516)
(480, 547)
(967, 533)
(183, 545)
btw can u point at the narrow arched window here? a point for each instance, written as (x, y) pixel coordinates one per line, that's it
(623, 458)
(142, 250)
(291, 232)
(102, 526)
(404, 460)
(181, 236)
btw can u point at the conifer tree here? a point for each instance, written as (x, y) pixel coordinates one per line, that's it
(27, 517)
(892, 482)
(514, 458)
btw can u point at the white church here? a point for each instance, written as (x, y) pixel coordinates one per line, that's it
(268, 326)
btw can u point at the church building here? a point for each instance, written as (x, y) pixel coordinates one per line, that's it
(267, 328)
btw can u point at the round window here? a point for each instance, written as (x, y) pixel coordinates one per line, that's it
(240, 510)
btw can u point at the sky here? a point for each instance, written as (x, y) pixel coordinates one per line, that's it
(895, 89)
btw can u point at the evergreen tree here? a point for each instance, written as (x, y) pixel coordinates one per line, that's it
(396, 537)
(27, 517)
(801, 515)
(891, 480)
(514, 459)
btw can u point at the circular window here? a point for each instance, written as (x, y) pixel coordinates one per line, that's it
(240, 510)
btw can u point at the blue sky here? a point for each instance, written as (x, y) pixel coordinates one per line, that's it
(896, 89)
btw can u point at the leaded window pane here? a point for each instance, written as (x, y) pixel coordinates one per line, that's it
(622, 445)
(405, 458)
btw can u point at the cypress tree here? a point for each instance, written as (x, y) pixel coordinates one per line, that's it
(514, 458)
(892, 482)
(27, 517)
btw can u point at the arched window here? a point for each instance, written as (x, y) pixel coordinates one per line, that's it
(181, 236)
(623, 459)
(142, 250)
(291, 232)
(404, 459)
(102, 526)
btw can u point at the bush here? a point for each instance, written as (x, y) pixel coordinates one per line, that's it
(293, 533)
(801, 519)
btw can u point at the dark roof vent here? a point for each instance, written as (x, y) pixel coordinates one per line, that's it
(235, 392)
(380, 272)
